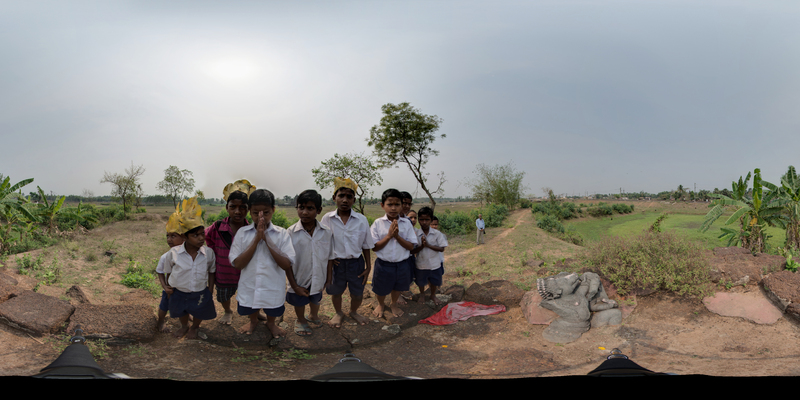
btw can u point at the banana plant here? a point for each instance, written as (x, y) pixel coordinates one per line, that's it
(13, 212)
(788, 197)
(754, 213)
(49, 210)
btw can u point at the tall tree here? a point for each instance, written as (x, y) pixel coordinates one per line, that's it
(125, 187)
(359, 168)
(501, 184)
(405, 135)
(176, 183)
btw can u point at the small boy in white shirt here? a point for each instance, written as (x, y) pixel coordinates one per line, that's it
(313, 267)
(265, 255)
(189, 270)
(432, 244)
(394, 239)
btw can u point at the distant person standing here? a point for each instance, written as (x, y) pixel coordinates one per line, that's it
(481, 225)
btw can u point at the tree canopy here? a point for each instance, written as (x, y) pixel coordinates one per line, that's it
(405, 135)
(361, 169)
(500, 184)
(126, 187)
(176, 182)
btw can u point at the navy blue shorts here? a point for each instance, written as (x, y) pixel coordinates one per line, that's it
(299, 301)
(388, 277)
(225, 293)
(433, 277)
(164, 304)
(271, 312)
(199, 305)
(345, 275)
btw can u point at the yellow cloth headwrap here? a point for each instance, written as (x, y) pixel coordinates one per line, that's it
(174, 224)
(191, 215)
(242, 185)
(348, 183)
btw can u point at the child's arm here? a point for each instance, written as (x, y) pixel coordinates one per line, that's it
(422, 242)
(211, 279)
(367, 266)
(162, 279)
(298, 290)
(244, 258)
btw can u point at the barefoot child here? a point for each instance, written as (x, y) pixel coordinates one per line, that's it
(219, 237)
(313, 267)
(173, 239)
(264, 254)
(394, 239)
(432, 243)
(189, 269)
(351, 248)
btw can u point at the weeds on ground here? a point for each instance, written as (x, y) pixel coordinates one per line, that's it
(136, 277)
(664, 261)
(45, 274)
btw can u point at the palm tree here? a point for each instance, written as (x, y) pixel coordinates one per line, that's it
(754, 213)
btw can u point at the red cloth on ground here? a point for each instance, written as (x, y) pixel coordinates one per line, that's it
(454, 312)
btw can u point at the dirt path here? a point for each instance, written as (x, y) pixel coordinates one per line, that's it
(520, 216)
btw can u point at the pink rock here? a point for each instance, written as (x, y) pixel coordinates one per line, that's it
(535, 314)
(752, 306)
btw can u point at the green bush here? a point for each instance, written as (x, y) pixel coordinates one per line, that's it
(549, 223)
(456, 223)
(560, 210)
(663, 261)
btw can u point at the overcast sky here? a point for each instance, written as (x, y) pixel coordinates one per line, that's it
(584, 96)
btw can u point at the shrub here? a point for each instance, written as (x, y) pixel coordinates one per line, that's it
(664, 261)
(456, 223)
(136, 277)
(550, 224)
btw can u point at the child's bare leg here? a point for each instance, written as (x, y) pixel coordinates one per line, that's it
(192, 332)
(336, 321)
(313, 312)
(250, 327)
(226, 318)
(396, 311)
(421, 298)
(300, 312)
(274, 328)
(433, 295)
(161, 325)
(184, 326)
(355, 303)
(381, 307)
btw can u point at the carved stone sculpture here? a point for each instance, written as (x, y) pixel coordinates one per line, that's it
(580, 302)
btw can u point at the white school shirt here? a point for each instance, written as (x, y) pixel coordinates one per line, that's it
(262, 283)
(351, 238)
(311, 255)
(393, 251)
(185, 274)
(430, 259)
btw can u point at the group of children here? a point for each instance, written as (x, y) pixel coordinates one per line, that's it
(255, 261)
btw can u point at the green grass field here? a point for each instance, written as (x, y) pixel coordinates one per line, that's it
(679, 221)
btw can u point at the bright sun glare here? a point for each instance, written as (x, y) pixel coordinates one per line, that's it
(231, 70)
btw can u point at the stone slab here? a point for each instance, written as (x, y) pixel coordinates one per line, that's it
(35, 313)
(753, 306)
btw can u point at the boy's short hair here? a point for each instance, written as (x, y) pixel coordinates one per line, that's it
(410, 211)
(391, 193)
(237, 195)
(425, 211)
(434, 218)
(261, 197)
(310, 195)
(343, 188)
(406, 195)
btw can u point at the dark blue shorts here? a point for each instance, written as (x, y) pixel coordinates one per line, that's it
(271, 312)
(164, 304)
(388, 277)
(199, 305)
(225, 293)
(299, 301)
(423, 277)
(345, 275)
